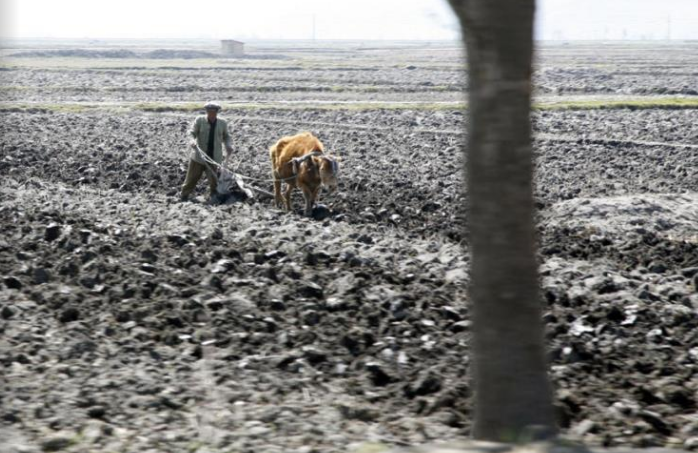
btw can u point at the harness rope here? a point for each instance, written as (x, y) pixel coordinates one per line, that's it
(207, 160)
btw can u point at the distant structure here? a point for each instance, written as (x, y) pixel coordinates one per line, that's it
(232, 48)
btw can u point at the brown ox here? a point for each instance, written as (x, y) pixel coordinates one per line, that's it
(299, 160)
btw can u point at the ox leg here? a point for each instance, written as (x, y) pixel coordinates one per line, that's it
(309, 198)
(287, 197)
(277, 193)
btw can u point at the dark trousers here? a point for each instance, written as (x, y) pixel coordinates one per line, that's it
(194, 173)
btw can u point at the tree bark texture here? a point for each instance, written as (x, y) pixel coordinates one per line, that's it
(512, 391)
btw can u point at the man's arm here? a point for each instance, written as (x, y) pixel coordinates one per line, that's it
(194, 132)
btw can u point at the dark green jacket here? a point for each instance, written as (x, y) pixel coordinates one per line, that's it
(200, 130)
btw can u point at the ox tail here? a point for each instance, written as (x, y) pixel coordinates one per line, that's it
(278, 147)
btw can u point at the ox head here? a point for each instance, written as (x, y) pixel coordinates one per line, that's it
(328, 167)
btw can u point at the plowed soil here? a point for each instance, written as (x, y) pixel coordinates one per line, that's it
(133, 322)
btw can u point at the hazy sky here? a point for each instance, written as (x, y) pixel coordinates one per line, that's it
(351, 19)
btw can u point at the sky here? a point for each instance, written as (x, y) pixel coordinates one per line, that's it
(331, 19)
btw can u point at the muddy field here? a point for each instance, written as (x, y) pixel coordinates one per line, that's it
(132, 322)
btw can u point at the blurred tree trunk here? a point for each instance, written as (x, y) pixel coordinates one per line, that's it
(512, 391)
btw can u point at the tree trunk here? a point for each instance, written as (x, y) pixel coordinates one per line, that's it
(512, 392)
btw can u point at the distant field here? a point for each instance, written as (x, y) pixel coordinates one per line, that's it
(349, 72)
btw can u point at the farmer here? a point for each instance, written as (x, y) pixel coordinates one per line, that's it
(209, 134)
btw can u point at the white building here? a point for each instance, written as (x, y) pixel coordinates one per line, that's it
(232, 48)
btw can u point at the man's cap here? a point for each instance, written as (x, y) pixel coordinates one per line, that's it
(212, 106)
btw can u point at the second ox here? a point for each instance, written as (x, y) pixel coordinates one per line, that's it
(300, 161)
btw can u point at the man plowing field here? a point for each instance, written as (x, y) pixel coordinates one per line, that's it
(209, 134)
